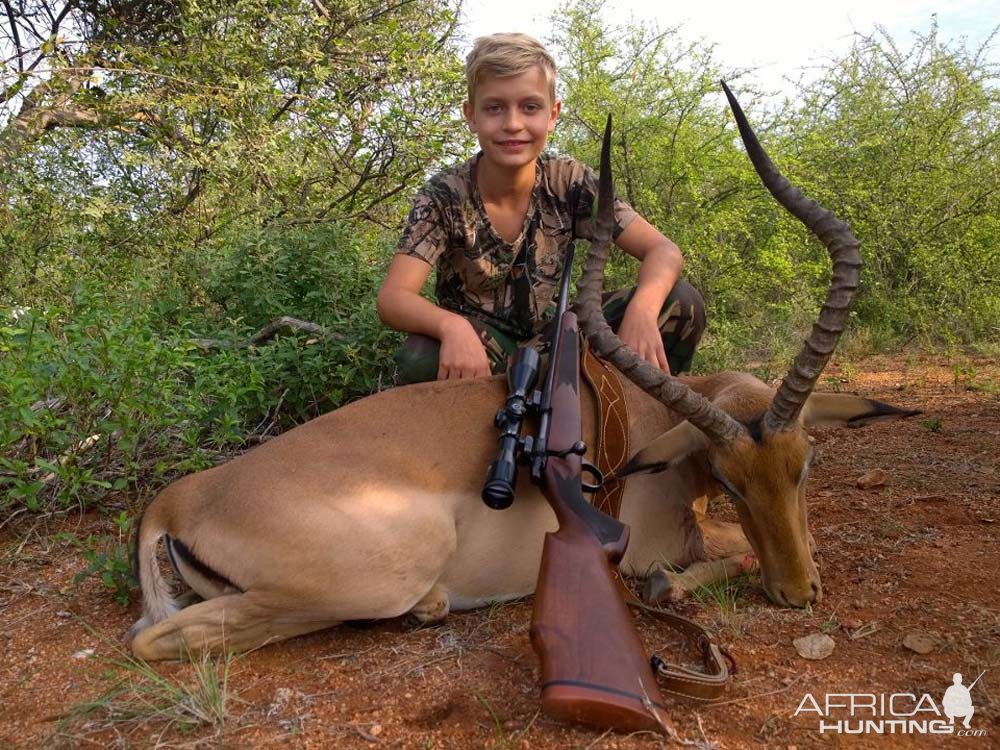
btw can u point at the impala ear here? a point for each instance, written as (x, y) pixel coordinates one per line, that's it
(669, 448)
(847, 410)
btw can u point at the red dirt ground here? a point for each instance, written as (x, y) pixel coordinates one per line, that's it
(918, 555)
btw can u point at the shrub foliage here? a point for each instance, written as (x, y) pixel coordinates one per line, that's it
(177, 176)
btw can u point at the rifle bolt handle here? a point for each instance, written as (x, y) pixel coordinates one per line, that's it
(578, 448)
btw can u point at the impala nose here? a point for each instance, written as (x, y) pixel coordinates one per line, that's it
(804, 596)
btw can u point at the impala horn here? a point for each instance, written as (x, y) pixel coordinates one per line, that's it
(714, 422)
(843, 248)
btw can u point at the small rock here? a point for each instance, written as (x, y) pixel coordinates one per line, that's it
(921, 643)
(874, 478)
(63, 613)
(816, 646)
(375, 730)
(849, 623)
(283, 698)
(84, 654)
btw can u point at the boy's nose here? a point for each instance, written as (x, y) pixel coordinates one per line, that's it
(512, 122)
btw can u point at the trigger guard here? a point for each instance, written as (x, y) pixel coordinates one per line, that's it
(597, 474)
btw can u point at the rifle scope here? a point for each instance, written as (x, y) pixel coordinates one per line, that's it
(498, 492)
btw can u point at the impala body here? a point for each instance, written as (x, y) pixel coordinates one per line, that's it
(374, 510)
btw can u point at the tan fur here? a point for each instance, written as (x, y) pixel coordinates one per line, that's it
(373, 510)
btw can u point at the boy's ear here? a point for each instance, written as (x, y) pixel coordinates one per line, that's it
(554, 115)
(469, 114)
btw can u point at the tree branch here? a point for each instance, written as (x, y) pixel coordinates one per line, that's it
(15, 37)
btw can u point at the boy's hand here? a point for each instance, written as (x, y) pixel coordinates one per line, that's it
(462, 353)
(639, 331)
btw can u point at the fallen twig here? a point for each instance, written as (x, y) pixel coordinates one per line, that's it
(269, 332)
(80, 447)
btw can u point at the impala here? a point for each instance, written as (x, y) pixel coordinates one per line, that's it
(374, 510)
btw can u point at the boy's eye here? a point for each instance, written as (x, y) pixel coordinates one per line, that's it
(494, 108)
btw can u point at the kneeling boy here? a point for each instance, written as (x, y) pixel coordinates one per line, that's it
(497, 227)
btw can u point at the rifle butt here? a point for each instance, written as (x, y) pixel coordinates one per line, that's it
(594, 668)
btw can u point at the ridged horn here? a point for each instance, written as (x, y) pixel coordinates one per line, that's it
(714, 422)
(843, 248)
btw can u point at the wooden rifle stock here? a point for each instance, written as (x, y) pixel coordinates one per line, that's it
(594, 668)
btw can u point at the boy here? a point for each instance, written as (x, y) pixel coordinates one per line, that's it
(497, 228)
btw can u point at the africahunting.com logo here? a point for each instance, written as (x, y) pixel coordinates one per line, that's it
(898, 713)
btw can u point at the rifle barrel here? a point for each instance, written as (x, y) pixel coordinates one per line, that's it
(545, 408)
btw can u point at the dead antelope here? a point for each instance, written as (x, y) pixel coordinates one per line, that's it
(374, 510)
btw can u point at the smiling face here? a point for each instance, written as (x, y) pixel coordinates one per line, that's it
(512, 118)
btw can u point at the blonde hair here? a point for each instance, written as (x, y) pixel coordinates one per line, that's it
(505, 55)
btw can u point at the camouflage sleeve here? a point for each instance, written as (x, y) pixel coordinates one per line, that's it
(425, 235)
(586, 208)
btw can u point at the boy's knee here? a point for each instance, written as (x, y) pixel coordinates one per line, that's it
(691, 312)
(682, 323)
(417, 359)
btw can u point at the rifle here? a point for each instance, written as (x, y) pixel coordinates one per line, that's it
(594, 668)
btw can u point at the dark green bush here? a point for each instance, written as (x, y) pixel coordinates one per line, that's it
(117, 391)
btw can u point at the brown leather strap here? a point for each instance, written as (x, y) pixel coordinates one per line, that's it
(612, 449)
(680, 681)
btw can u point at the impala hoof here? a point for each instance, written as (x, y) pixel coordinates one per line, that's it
(433, 608)
(661, 589)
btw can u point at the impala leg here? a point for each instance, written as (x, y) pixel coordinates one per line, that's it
(728, 551)
(723, 539)
(434, 607)
(236, 622)
(665, 586)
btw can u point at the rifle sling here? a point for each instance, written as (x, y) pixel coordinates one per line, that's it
(680, 681)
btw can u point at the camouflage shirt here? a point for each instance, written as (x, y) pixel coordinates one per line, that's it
(506, 285)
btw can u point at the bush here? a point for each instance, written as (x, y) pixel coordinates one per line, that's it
(112, 392)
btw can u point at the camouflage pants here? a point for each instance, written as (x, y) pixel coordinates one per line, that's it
(681, 323)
